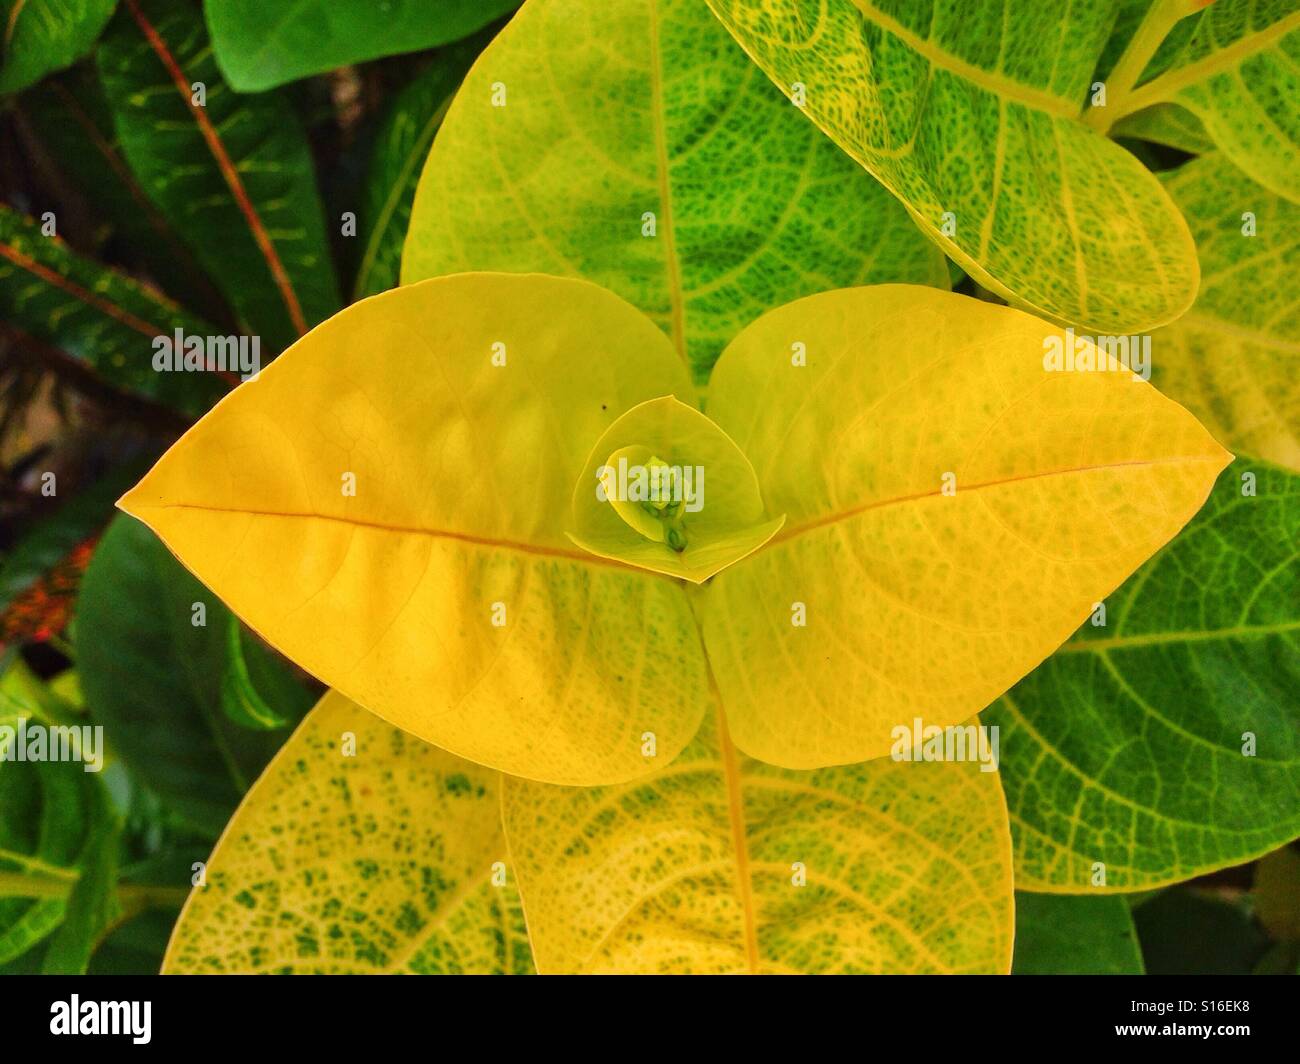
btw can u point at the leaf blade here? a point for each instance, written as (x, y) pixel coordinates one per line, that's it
(849, 447)
(245, 197)
(493, 451)
(413, 831)
(959, 117)
(259, 47)
(1232, 360)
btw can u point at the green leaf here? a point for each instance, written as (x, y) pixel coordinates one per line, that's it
(70, 117)
(972, 118)
(1236, 67)
(92, 905)
(1061, 935)
(42, 36)
(54, 824)
(96, 315)
(620, 117)
(360, 849)
(135, 947)
(1234, 358)
(234, 176)
(260, 45)
(256, 691)
(1166, 124)
(154, 678)
(401, 147)
(1127, 746)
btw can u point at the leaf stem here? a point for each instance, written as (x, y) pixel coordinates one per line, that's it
(58, 883)
(1154, 28)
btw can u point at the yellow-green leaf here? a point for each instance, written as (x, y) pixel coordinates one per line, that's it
(704, 511)
(954, 510)
(632, 144)
(360, 849)
(1234, 358)
(719, 864)
(387, 504)
(970, 114)
(1236, 67)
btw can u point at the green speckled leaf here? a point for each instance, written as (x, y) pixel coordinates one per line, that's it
(260, 45)
(1126, 746)
(1234, 358)
(970, 115)
(620, 117)
(183, 171)
(1063, 935)
(96, 315)
(387, 859)
(42, 36)
(1236, 67)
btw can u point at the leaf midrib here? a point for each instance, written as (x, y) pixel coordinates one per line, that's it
(1164, 87)
(412, 530)
(1150, 639)
(82, 295)
(845, 515)
(671, 263)
(994, 82)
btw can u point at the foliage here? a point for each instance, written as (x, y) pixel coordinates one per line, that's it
(820, 250)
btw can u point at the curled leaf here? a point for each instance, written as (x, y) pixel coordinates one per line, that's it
(665, 489)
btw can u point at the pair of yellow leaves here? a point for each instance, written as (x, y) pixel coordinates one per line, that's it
(397, 503)
(390, 505)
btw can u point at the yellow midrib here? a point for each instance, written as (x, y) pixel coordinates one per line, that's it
(1162, 88)
(994, 82)
(489, 542)
(792, 531)
(736, 814)
(671, 263)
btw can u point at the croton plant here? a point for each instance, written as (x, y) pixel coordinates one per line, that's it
(962, 333)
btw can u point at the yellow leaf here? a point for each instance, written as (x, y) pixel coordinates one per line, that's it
(721, 864)
(387, 504)
(954, 511)
(359, 849)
